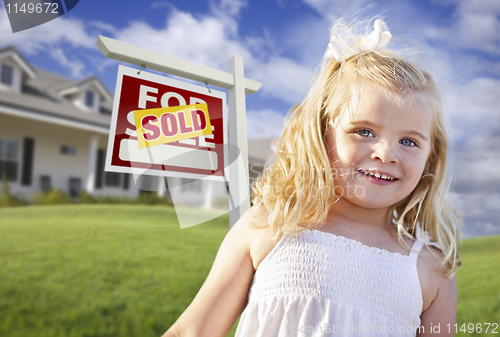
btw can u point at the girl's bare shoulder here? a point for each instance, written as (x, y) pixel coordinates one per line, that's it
(253, 229)
(432, 279)
(439, 291)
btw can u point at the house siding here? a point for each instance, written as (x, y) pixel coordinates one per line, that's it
(47, 159)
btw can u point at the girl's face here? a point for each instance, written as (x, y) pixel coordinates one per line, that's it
(379, 151)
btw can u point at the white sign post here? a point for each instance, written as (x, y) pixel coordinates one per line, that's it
(237, 86)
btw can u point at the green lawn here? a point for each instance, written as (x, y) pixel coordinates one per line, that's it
(129, 270)
(100, 270)
(479, 285)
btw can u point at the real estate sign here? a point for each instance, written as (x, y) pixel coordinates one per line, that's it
(195, 158)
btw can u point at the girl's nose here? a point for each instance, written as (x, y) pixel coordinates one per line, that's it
(384, 152)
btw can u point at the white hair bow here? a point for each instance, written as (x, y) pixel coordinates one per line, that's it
(378, 38)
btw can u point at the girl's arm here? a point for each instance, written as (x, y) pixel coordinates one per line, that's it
(441, 315)
(223, 296)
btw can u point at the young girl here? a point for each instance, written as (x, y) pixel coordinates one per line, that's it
(340, 238)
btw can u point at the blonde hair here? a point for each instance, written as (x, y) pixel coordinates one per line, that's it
(296, 189)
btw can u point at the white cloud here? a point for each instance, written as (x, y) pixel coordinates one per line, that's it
(44, 37)
(477, 171)
(102, 26)
(485, 66)
(476, 99)
(473, 108)
(480, 212)
(264, 124)
(283, 78)
(491, 229)
(206, 40)
(51, 38)
(480, 31)
(75, 66)
(475, 25)
(479, 6)
(213, 39)
(475, 131)
(231, 7)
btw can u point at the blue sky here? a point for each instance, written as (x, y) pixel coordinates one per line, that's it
(282, 42)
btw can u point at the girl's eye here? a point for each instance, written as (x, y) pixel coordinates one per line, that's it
(365, 133)
(408, 142)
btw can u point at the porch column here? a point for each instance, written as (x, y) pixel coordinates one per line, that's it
(92, 164)
(161, 186)
(208, 192)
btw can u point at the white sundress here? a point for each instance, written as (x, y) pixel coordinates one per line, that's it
(319, 284)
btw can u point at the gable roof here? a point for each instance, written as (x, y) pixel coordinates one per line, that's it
(10, 51)
(77, 86)
(40, 94)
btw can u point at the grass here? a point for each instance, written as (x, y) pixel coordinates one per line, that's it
(478, 284)
(100, 270)
(129, 270)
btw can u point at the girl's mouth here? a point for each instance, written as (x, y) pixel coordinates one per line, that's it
(375, 176)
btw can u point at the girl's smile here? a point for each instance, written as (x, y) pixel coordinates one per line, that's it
(379, 150)
(378, 178)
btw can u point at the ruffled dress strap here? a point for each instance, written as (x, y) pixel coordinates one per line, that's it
(422, 238)
(418, 244)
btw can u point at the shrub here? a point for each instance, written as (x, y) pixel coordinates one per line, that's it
(7, 199)
(85, 197)
(108, 199)
(148, 198)
(53, 197)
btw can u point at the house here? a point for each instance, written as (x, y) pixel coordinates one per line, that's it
(54, 134)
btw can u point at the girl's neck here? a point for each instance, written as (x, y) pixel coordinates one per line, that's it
(347, 213)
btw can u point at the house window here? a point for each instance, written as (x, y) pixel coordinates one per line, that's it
(68, 150)
(7, 74)
(45, 183)
(9, 159)
(75, 186)
(89, 98)
(112, 179)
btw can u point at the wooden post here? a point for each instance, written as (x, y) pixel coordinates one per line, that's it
(237, 129)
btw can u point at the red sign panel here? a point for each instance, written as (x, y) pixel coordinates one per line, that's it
(193, 158)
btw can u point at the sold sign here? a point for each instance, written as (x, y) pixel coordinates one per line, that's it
(161, 125)
(166, 125)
